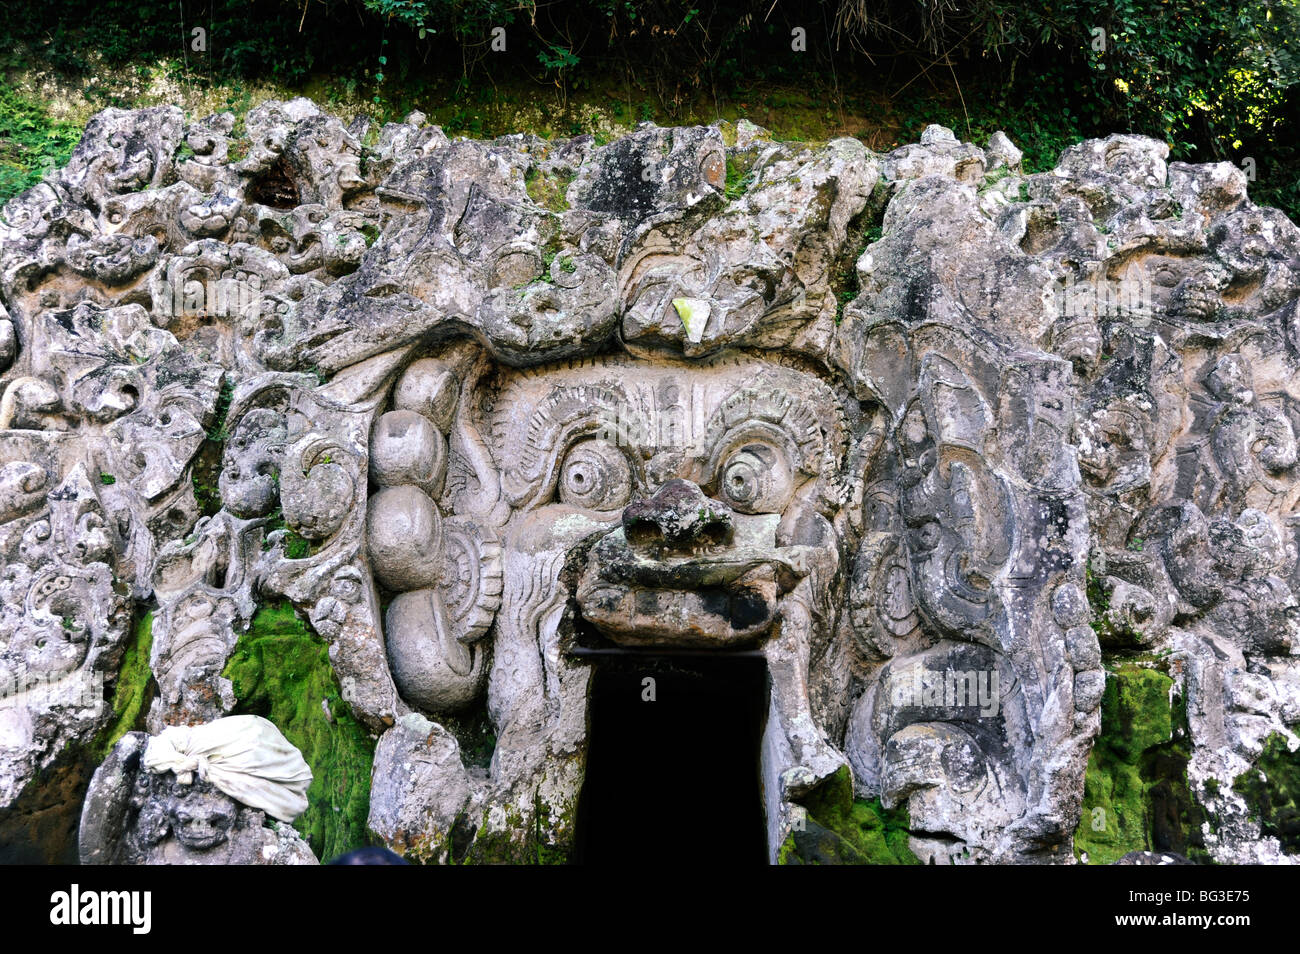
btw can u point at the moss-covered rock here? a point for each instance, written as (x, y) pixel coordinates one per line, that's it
(1272, 790)
(549, 190)
(281, 670)
(1136, 793)
(205, 472)
(842, 830)
(533, 840)
(132, 692)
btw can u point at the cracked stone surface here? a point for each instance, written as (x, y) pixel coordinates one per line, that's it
(479, 402)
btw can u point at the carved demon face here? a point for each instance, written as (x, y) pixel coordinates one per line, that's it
(199, 815)
(686, 500)
(702, 487)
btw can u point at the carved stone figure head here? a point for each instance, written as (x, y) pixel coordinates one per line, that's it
(140, 812)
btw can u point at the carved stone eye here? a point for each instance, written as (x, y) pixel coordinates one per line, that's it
(595, 476)
(756, 479)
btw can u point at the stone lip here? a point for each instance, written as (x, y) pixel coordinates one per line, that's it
(725, 598)
(715, 617)
(676, 584)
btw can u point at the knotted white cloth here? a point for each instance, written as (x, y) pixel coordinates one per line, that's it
(246, 757)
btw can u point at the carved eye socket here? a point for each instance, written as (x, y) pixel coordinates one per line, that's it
(756, 479)
(595, 476)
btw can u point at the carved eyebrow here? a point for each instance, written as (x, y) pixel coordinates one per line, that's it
(564, 414)
(775, 411)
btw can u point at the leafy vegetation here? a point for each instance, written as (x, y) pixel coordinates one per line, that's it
(1218, 81)
(31, 143)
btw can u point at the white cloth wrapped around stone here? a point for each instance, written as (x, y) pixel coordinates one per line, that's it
(246, 757)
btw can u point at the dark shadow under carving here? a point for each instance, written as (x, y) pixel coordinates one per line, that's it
(676, 779)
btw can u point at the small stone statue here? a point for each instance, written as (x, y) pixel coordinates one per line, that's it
(198, 795)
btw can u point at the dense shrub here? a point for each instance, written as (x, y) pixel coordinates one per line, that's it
(1218, 81)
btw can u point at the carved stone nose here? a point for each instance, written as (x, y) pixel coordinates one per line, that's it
(678, 515)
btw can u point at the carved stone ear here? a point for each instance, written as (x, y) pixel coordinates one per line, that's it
(318, 488)
(433, 670)
(471, 591)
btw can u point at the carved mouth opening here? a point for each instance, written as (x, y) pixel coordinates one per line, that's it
(673, 759)
(274, 187)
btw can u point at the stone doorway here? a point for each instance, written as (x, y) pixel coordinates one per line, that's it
(674, 778)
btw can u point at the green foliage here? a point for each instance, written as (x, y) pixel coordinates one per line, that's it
(557, 58)
(739, 179)
(1218, 81)
(31, 143)
(281, 670)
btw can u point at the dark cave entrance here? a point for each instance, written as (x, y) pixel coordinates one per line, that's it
(676, 779)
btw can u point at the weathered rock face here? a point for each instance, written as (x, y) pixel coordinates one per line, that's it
(472, 406)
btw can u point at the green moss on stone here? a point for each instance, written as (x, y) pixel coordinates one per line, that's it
(1271, 789)
(206, 470)
(1136, 794)
(296, 546)
(132, 691)
(523, 840)
(281, 670)
(843, 830)
(550, 191)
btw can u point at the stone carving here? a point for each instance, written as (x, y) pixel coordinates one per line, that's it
(146, 809)
(476, 408)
